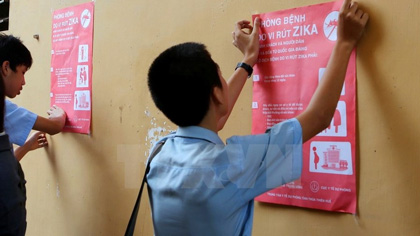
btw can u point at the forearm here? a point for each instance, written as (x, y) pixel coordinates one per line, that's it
(248, 44)
(21, 151)
(50, 126)
(351, 23)
(328, 92)
(323, 104)
(235, 85)
(56, 127)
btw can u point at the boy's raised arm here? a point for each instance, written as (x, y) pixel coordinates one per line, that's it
(321, 108)
(248, 44)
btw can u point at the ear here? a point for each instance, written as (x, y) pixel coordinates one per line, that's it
(5, 68)
(217, 96)
(219, 101)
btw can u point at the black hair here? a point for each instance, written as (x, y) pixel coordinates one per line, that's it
(181, 80)
(2, 95)
(13, 50)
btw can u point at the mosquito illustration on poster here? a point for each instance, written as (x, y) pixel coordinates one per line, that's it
(330, 26)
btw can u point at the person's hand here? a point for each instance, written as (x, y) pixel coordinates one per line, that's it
(351, 23)
(247, 42)
(57, 114)
(36, 140)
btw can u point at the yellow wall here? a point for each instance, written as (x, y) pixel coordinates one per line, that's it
(87, 184)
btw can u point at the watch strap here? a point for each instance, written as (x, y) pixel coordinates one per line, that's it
(246, 67)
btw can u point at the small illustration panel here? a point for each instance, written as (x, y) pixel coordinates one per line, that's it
(338, 125)
(82, 76)
(82, 100)
(331, 158)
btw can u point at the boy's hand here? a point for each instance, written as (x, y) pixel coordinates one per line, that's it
(351, 23)
(247, 42)
(36, 140)
(57, 114)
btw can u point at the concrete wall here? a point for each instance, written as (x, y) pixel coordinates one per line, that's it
(87, 184)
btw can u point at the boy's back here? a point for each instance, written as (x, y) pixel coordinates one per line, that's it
(200, 186)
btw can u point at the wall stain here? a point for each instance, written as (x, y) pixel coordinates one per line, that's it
(121, 111)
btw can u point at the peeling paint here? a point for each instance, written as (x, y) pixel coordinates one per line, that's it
(147, 113)
(155, 132)
(57, 191)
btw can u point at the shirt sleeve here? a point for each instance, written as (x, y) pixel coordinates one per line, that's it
(259, 163)
(18, 122)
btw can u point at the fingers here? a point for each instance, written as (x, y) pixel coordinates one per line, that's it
(42, 140)
(356, 13)
(241, 24)
(37, 140)
(353, 8)
(345, 6)
(256, 28)
(51, 110)
(247, 40)
(245, 24)
(365, 18)
(352, 22)
(55, 110)
(359, 13)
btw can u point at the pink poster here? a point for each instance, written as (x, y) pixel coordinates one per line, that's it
(295, 46)
(71, 65)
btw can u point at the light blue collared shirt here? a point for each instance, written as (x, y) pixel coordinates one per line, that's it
(18, 122)
(200, 186)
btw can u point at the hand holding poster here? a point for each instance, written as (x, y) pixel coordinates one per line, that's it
(295, 46)
(71, 65)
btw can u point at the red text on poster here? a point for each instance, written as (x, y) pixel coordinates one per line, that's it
(295, 46)
(71, 65)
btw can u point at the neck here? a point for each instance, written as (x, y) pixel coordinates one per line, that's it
(211, 119)
(209, 123)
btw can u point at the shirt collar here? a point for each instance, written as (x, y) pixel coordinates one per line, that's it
(199, 133)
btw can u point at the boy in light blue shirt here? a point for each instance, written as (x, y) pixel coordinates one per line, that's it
(197, 184)
(15, 60)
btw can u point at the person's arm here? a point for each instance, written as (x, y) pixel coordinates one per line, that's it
(54, 123)
(248, 44)
(36, 140)
(321, 108)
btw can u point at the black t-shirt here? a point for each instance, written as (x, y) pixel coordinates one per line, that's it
(12, 191)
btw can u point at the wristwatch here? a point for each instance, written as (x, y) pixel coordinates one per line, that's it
(246, 67)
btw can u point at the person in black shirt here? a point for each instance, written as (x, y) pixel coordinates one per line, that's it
(12, 184)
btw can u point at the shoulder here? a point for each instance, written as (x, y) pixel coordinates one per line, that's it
(288, 132)
(15, 111)
(11, 107)
(286, 129)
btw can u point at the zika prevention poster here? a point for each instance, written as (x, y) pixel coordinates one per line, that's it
(295, 46)
(71, 65)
